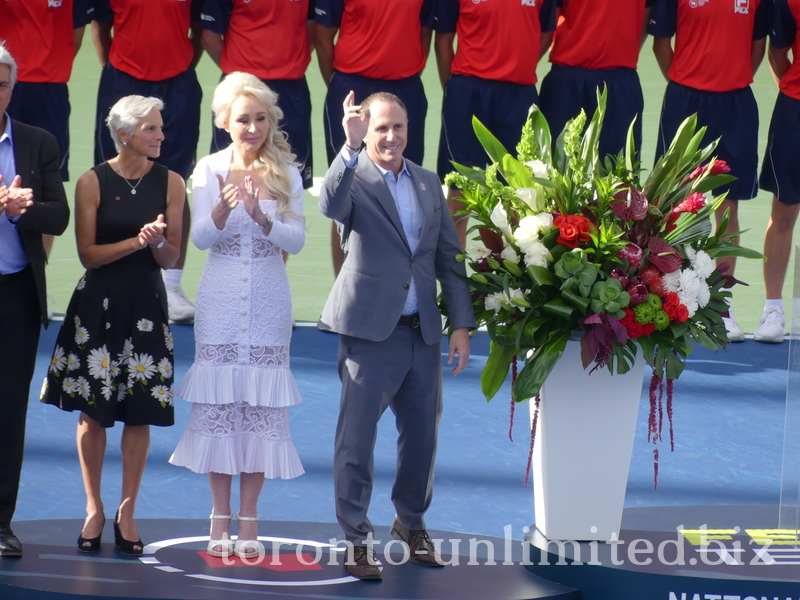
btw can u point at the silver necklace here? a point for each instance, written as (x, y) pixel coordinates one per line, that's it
(133, 187)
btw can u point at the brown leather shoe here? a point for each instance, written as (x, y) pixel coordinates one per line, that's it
(363, 566)
(422, 551)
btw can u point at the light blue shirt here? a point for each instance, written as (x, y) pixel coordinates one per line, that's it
(411, 217)
(12, 254)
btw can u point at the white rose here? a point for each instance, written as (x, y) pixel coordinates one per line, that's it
(536, 254)
(510, 255)
(544, 221)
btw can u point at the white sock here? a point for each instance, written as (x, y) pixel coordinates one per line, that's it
(172, 277)
(774, 302)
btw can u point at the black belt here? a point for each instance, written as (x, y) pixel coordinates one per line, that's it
(408, 320)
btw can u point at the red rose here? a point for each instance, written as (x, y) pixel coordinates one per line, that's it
(572, 229)
(683, 313)
(671, 299)
(671, 310)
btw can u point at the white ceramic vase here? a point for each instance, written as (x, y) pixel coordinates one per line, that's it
(584, 438)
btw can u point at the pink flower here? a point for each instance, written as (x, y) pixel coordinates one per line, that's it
(633, 254)
(663, 256)
(719, 167)
(629, 203)
(692, 204)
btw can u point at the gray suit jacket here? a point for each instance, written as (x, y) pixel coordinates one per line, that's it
(368, 296)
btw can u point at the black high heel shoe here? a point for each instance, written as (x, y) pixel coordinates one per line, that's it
(91, 544)
(126, 546)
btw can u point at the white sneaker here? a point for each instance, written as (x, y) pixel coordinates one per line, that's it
(735, 333)
(772, 327)
(181, 309)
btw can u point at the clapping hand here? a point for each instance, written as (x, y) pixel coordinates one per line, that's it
(250, 194)
(15, 200)
(152, 234)
(355, 122)
(229, 195)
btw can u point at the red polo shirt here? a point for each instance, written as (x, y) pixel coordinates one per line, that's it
(785, 24)
(267, 38)
(377, 38)
(600, 34)
(497, 39)
(151, 37)
(713, 40)
(39, 35)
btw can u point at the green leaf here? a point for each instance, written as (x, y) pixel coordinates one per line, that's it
(542, 276)
(512, 268)
(490, 143)
(533, 375)
(559, 308)
(517, 174)
(576, 300)
(542, 136)
(496, 369)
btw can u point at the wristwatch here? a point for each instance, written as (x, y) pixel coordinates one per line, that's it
(268, 222)
(159, 245)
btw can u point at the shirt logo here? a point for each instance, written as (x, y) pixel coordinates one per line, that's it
(741, 7)
(697, 3)
(528, 2)
(54, 3)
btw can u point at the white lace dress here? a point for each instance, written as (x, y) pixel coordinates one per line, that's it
(240, 383)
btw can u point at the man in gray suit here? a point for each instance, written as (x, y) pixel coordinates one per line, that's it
(398, 240)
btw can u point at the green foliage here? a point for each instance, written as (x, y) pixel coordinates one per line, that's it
(563, 271)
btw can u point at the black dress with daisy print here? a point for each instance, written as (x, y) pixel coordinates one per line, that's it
(114, 357)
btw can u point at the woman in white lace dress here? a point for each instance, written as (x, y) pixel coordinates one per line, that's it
(247, 208)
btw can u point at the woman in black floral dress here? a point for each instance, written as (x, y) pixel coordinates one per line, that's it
(113, 359)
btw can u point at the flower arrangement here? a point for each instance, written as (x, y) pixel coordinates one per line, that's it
(572, 245)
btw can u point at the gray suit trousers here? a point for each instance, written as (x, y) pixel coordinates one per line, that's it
(405, 374)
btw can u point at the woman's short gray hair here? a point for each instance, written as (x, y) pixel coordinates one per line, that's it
(127, 113)
(8, 60)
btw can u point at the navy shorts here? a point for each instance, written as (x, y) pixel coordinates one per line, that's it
(181, 95)
(45, 105)
(294, 100)
(567, 90)
(780, 173)
(731, 116)
(501, 106)
(409, 90)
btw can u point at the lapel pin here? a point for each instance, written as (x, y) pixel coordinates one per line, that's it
(423, 187)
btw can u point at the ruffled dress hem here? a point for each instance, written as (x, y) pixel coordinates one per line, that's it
(233, 455)
(218, 384)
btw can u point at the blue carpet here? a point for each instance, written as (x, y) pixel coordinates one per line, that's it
(729, 416)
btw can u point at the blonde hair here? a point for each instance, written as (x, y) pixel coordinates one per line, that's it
(275, 155)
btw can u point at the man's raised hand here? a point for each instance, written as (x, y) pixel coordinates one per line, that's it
(355, 122)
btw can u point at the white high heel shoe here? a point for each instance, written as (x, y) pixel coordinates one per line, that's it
(222, 548)
(247, 548)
